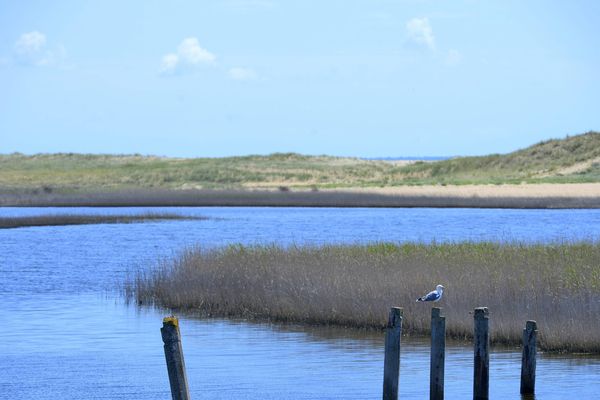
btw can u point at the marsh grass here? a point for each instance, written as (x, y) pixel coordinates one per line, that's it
(354, 285)
(86, 219)
(285, 198)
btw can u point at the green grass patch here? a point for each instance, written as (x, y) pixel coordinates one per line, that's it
(574, 159)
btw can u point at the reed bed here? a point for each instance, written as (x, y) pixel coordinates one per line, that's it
(290, 198)
(354, 285)
(86, 219)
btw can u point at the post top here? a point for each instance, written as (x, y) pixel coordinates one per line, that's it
(171, 320)
(481, 312)
(397, 310)
(395, 317)
(531, 325)
(436, 312)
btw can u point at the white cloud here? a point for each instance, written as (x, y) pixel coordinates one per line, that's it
(242, 74)
(189, 56)
(453, 58)
(30, 43)
(419, 32)
(32, 49)
(190, 51)
(169, 62)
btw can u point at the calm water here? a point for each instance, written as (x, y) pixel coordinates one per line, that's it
(67, 334)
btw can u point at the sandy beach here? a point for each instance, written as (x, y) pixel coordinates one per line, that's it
(567, 190)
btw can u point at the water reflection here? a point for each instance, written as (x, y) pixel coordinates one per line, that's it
(71, 341)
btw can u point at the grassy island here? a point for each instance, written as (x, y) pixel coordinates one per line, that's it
(354, 285)
(86, 219)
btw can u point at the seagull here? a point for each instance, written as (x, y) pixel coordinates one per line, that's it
(436, 295)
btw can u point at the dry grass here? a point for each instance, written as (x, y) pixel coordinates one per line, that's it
(558, 197)
(85, 219)
(354, 285)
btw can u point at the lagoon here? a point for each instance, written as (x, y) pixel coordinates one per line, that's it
(68, 333)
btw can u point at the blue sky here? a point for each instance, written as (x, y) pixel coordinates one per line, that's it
(353, 78)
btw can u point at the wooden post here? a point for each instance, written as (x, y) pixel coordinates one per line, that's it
(174, 356)
(438, 354)
(528, 359)
(481, 376)
(391, 365)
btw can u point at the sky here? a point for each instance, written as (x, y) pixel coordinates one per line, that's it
(372, 78)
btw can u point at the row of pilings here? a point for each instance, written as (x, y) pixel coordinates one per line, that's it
(481, 355)
(393, 342)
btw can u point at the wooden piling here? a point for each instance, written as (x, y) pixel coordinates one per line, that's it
(438, 354)
(391, 366)
(481, 375)
(174, 355)
(528, 359)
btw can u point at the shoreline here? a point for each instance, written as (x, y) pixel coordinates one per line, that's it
(524, 196)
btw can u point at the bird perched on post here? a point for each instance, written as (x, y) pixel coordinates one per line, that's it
(435, 295)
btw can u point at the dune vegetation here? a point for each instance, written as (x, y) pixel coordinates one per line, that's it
(573, 159)
(354, 285)
(86, 219)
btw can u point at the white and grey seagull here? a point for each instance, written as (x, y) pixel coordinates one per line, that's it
(435, 295)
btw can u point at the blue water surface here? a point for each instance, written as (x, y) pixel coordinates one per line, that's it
(67, 333)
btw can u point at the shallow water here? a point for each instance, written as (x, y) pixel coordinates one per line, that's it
(67, 333)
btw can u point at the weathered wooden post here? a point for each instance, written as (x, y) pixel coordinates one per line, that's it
(481, 376)
(528, 359)
(438, 354)
(174, 356)
(391, 364)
